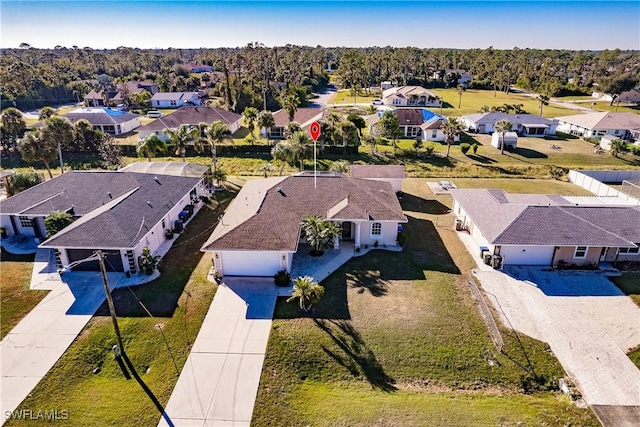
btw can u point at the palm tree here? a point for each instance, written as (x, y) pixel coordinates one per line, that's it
(347, 131)
(306, 291)
(217, 133)
(301, 148)
(58, 130)
(250, 116)
(266, 121)
(182, 137)
(266, 169)
(46, 112)
(291, 128)
(461, 88)
(543, 100)
(283, 153)
(319, 233)
(290, 104)
(451, 129)
(150, 146)
(502, 126)
(34, 147)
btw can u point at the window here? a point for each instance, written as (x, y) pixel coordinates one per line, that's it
(434, 134)
(109, 129)
(25, 222)
(581, 252)
(629, 251)
(173, 103)
(376, 229)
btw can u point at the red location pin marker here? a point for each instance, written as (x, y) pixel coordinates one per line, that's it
(314, 130)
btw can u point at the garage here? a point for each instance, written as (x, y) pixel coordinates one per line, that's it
(527, 255)
(113, 260)
(250, 263)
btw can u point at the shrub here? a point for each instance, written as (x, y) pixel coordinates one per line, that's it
(402, 238)
(282, 278)
(21, 181)
(417, 144)
(147, 261)
(475, 148)
(465, 148)
(56, 221)
(429, 149)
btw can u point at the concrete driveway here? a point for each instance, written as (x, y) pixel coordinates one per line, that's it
(219, 382)
(587, 321)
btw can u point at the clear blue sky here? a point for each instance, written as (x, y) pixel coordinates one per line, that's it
(193, 24)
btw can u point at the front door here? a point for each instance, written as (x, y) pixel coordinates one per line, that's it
(603, 254)
(481, 128)
(346, 231)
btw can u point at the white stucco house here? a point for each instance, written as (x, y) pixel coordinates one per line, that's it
(523, 124)
(418, 123)
(175, 99)
(260, 232)
(119, 213)
(393, 174)
(303, 116)
(191, 116)
(535, 229)
(106, 120)
(597, 125)
(410, 96)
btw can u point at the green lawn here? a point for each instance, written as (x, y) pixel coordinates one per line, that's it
(514, 185)
(629, 283)
(17, 299)
(397, 340)
(346, 97)
(178, 300)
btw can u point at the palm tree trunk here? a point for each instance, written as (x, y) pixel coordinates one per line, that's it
(541, 104)
(281, 168)
(214, 159)
(149, 155)
(301, 165)
(183, 153)
(448, 148)
(46, 165)
(502, 143)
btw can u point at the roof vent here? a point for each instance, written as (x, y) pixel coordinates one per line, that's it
(155, 178)
(149, 203)
(109, 194)
(279, 190)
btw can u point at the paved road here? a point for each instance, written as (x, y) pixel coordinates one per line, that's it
(323, 98)
(558, 102)
(219, 381)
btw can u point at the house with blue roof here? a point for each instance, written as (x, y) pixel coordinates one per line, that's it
(418, 123)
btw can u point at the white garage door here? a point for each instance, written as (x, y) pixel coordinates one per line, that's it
(527, 255)
(250, 263)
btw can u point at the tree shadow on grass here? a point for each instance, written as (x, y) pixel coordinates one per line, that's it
(356, 357)
(161, 296)
(367, 280)
(528, 153)
(418, 204)
(481, 159)
(427, 248)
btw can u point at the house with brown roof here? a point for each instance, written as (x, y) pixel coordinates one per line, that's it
(393, 174)
(418, 123)
(303, 116)
(190, 116)
(410, 96)
(260, 231)
(97, 98)
(535, 229)
(596, 125)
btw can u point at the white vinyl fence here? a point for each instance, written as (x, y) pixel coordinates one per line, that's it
(594, 181)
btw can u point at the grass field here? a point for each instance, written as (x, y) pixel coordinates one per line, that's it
(397, 340)
(17, 299)
(346, 97)
(156, 346)
(629, 283)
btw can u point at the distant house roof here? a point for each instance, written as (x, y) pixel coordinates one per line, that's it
(133, 87)
(173, 96)
(632, 95)
(603, 120)
(533, 219)
(522, 119)
(195, 170)
(377, 171)
(422, 117)
(100, 116)
(191, 116)
(266, 213)
(116, 209)
(303, 116)
(408, 91)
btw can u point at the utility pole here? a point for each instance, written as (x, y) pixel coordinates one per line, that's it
(112, 309)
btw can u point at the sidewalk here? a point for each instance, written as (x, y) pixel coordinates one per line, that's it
(219, 381)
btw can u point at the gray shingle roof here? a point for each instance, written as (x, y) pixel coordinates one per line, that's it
(105, 116)
(270, 219)
(493, 117)
(117, 220)
(191, 116)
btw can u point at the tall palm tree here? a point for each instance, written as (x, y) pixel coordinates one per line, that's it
(543, 100)
(290, 103)
(151, 145)
(306, 291)
(347, 131)
(182, 137)
(217, 133)
(502, 126)
(250, 116)
(283, 153)
(34, 147)
(451, 129)
(59, 130)
(301, 148)
(461, 88)
(266, 121)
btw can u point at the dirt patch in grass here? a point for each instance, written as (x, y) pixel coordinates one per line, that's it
(17, 299)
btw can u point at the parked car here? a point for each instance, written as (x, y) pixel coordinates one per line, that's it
(154, 114)
(377, 102)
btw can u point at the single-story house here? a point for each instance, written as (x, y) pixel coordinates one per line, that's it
(260, 232)
(464, 78)
(194, 170)
(418, 123)
(175, 99)
(631, 96)
(96, 98)
(109, 121)
(410, 96)
(117, 212)
(198, 68)
(510, 140)
(190, 116)
(535, 229)
(596, 125)
(393, 174)
(522, 124)
(303, 116)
